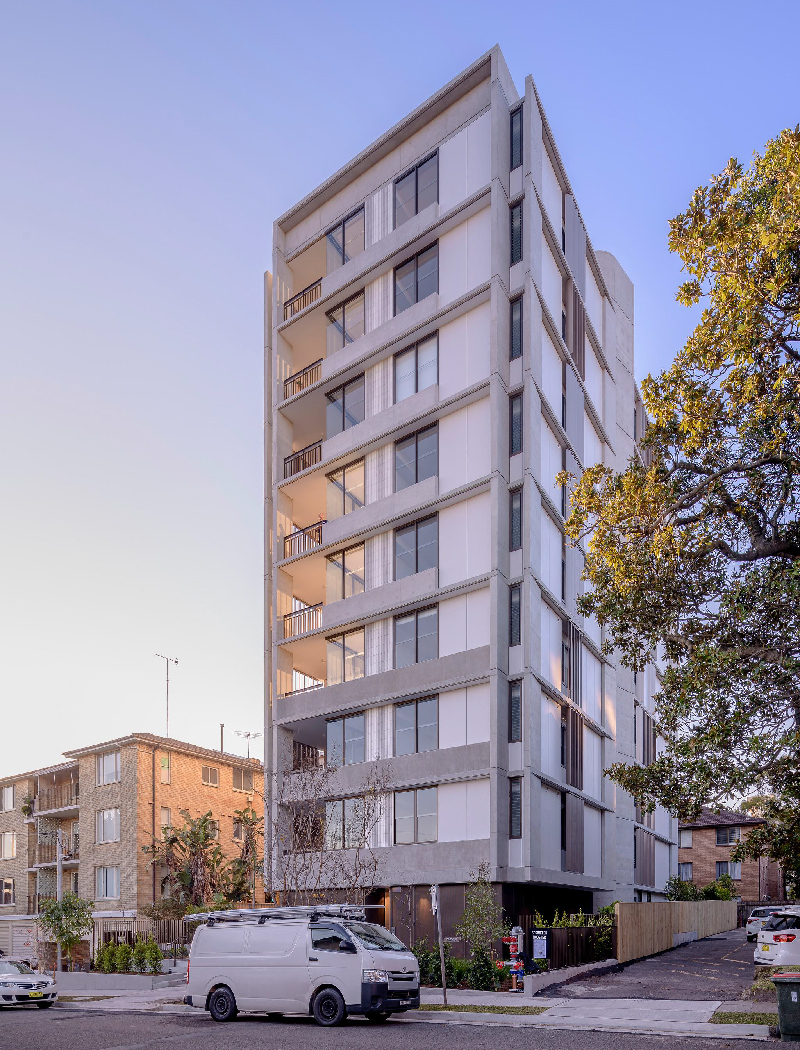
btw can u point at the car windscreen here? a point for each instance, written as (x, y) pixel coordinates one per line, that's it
(782, 922)
(8, 966)
(375, 937)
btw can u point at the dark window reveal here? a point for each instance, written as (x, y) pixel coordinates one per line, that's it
(416, 637)
(345, 406)
(416, 458)
(514, 712)
(515, 614)
(345, 241)
(515, 808)
(515, 520)
(416, 726)
(515, 349)
(515, 424)
(416, 547)
(415, 190)
(516, 233)
(516, 138)
(416, 279)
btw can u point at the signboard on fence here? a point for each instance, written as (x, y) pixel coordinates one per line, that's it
(23, 941)
(540, 944)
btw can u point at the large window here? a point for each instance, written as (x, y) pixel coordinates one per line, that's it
(346, 489)
(345, 241)
(345, 406)
(416, 637)
(415, 190)
(515, 614)
(416, 816)
(8, 845)
(346, 657)
(106, 827)
(514, 712)
(515, 342)
(7, 891)
(516, 233)
(346, 323)
(242, 779)
(729, 867)
(7, 799)
(345, 573)
(515, 808)
(107, 767)
(684, 837)
(416, 547)
(345, 824)
(727, 836)
(685, 872)
(515, 520)
(416, 458)
(345, 740)
(416, 726)
(416, 279)
(107, 883)
(416, 368)
(210, 776)
(516, 138)
(515, 425)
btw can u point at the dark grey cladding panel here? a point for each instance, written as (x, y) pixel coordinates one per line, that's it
(576, 244)
(575, 409)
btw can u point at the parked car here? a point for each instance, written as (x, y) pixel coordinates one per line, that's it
(757, 918)
(779, 939)
(327, 962)
(20, 985)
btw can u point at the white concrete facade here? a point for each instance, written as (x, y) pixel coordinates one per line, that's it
(339, 608)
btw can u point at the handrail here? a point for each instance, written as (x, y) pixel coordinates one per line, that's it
(302, 459)
(301, 541)
(302, 299)
(56, 798)
(304, 378)
(301, 621)
(301, 689)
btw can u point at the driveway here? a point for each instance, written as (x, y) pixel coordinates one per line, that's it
(718, 967)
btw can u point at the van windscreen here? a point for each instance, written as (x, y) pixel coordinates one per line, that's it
(375, 937)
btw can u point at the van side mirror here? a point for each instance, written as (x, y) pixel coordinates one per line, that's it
(348, 947)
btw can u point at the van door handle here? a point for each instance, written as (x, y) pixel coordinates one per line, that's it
(313, 958)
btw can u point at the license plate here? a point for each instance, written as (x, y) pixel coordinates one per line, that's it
(35, 995)
(765, 947)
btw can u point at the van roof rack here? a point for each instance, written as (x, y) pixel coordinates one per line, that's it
(342, 911)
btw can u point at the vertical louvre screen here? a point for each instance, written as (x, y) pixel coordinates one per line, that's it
(514, 712)
(515, 808)
(645, 854)
(575, 658)
(574, 822)
(515, 350)
(648, 739)
(515, 615)
(578, 333)
(574, 756)
(516, 233)
(516, 138)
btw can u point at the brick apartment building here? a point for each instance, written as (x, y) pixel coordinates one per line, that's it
(109, 800)
(704, 854)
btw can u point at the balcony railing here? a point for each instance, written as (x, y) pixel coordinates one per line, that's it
(45, 852)
(302, 460)
(56, 798)
(304, 756)
(300, 380)
(302, 689)
(303, 540)
(301, 621)
(302, 300)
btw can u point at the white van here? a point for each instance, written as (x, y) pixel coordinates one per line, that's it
(327, 961)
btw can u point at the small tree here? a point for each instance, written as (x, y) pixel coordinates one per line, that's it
(193, 858)
(67, 921)
(678, 890)
(244, 869)
(482, 921)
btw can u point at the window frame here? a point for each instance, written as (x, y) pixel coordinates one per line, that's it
(339, 638)
(415, 792)
(517, 301)
(340, 226)
(515, 591)
(104, 895)
(415, 347)
(515, 511)
(3, 793)
(731, 834)
(211, 780)
(162, 811)
(515, 701)
(342, 389)
(405, 616)
(7, 890)
(415, 259)
(340, 722)
(9, 837)
(343, 489)
(340, 555)
(515, 118)
(343, 305)
(515, 448)
(514, 825)
(682, 866)
(100, 825)
(242, 773)
(683, 834)
(516, 209)
(100, 768)
(434, 697)
(165, 767)
(415, 436)
(415, 526)
(415, 171)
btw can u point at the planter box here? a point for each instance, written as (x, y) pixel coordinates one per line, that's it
(89, 982)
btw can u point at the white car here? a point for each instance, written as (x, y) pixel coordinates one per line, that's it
(20, 985)
(757, 918)
(779, 939)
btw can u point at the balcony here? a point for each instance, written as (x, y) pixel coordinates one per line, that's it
(303, 299)
(304, 756)
(304, 378)
(45, 852)
(303, 540)
(302, 621)
(64, 796)
(302, 460)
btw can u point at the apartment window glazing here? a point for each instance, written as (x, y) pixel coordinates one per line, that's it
(729, 867)
(416, 726)
(515, 424)
(345, 824)
(416, 637)
(345, 407)
(345, 241)
(345, 490)
(416, 279)
(515, 520)
(416, 368)
(416, 458)
(164, 764)
(416, 816)
(345, 744)
(515, 614)
(515, 808)
(238, 831)
(242, 779)
(213, 829)
(8, 845)
(514, 712)
(685, 872)
(7, 891)
(416, 547)
(727, 836)
(107, 825)
(516, 233)
(345, 573)
(515, 348)
(684, 834)
(345, 323)
(165, 817)
(345, 657)
(415, 190)
(516, 138)
(210, 776)
(107, 768)
(107, 883)
(7, 799)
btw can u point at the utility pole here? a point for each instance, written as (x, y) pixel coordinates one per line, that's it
(438, 913)
(221, 737)
(59, 886)
(169, 660)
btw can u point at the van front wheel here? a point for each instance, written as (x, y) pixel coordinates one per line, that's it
(328, 1008)
(222, 1004)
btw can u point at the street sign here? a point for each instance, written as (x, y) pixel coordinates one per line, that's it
(541, 944)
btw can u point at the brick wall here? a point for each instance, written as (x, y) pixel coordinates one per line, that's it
(15, 868)
(704, 854)
(93, 798)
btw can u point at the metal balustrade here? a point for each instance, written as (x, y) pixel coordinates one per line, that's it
(302, 300)
(304, 378)
(301, 541)
(56, 798)
(302, 460)
(45, 852)
(301, 621)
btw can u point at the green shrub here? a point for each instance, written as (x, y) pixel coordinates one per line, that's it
(483, 973)
(139, 956)
(428, 960)
(104, 957)
(462, 972)
(153, 956)
(123, 957)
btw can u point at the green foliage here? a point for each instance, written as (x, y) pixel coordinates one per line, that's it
(678, 890)
(722, 889)
(123, 957)
(105, 957)
(695, 548)
(459, 972)
(483, 972)
(67, 920)
(139, 958)
(482, 921)
(153, 956)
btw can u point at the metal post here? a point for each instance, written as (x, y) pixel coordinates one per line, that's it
(221, 737)
(59, 888)
(167, 660)
(437, 912)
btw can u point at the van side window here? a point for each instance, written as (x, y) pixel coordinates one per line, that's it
(324, 939)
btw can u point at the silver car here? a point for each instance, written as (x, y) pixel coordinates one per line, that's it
(21, 986)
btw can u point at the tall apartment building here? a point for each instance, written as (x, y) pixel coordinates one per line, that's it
(109, 800)
(441, 340)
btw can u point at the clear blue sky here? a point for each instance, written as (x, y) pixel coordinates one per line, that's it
(147, 147)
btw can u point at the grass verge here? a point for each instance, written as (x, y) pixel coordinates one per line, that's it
(741, 1017)
(83, 998)
(473, 1008)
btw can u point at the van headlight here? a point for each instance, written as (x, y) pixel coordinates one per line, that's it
(375, 977)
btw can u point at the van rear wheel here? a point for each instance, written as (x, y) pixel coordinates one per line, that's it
(222, 1004)
(328, 1008)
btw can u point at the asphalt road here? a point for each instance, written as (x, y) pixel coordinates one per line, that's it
(715, 968)
(65, 1028)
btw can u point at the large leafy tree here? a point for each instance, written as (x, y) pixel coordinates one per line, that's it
(694, 549)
